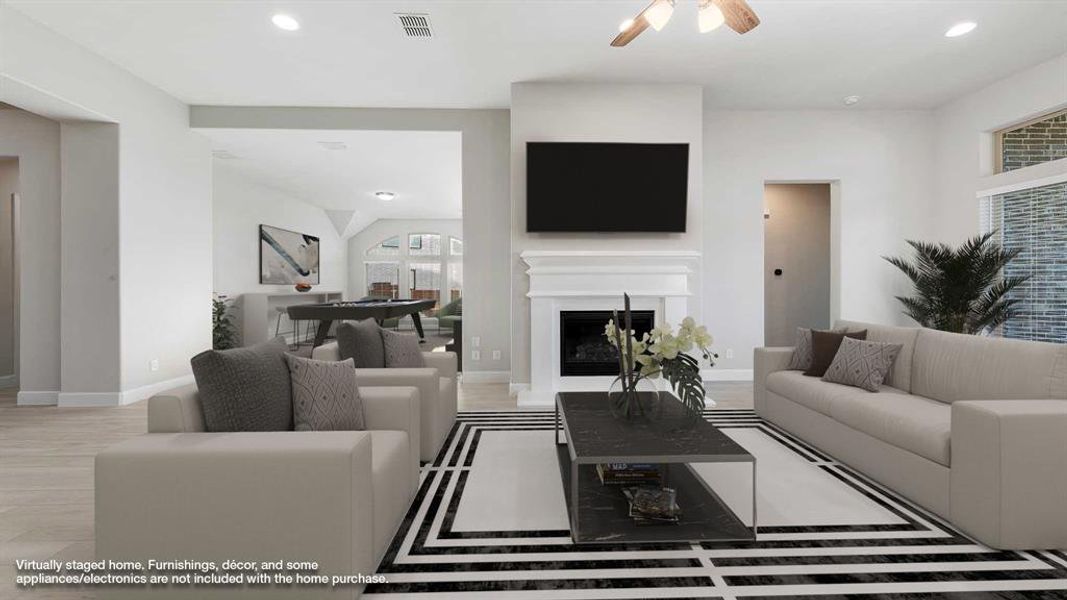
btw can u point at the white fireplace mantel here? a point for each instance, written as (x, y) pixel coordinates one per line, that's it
(596, 280)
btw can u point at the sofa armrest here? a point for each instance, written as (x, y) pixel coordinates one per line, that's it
(248, 496)
(428, 383)
(765, 362)
(1009, 472)
(394, 409)
(444, 362)
(175, 411)
(326, 352)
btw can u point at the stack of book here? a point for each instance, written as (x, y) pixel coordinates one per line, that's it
(628, 474)
(653, 505)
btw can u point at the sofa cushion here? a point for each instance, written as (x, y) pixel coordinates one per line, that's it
(900, 375)
(362, 342)
(810, 392)
(402, 350)
(824, 346)
(862, 364)
(245, 389)
(953, 366)
(325, 396)
(913, 423)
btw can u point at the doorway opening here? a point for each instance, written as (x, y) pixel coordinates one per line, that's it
(797, 259)
(9, 186)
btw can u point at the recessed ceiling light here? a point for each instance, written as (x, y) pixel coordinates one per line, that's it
(850, 100)
(386, 196)
(628, 23)
(961, 29)
(285, 22)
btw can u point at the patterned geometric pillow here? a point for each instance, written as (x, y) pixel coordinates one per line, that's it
(402, 350)
(862, 364)
(325, 396)
(802, 353)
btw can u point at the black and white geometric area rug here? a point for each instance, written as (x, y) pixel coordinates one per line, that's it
(489, 521)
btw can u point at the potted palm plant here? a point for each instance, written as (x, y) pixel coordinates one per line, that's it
(662, 352)
(961, 289)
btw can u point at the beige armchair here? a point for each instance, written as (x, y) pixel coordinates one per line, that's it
(437, 392)
(334, 497)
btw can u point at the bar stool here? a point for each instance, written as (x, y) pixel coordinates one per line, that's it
(295, 331)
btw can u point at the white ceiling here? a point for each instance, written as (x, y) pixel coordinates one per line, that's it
(423, 168)
(806, 54)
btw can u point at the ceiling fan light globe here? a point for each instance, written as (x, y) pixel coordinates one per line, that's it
(659, 13)
(710, 17)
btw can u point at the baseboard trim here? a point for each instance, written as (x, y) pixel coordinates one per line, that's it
(147, 391)
(7, 381)
(726, 374)
(89, 399)
(37, 399)
(517, 388)
(486, 376)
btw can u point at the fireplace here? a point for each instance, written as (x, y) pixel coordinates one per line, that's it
(583, 348)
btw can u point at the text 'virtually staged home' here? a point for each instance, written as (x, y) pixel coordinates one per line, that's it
(533, 299)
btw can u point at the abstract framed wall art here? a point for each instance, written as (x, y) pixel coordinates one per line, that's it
(287, 257)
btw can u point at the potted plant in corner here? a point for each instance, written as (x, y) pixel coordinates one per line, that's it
(663, 351)
(223, 331)
(962, 290)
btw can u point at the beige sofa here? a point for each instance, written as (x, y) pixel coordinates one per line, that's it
(437, 392)
(972, 428)
(334, 497)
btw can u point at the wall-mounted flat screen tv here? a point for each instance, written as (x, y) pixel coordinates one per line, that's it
(604, 187)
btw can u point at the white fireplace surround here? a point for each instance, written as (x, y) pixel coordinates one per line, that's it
(660, 281)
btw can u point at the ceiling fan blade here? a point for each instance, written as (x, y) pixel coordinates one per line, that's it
(625, 37)
(739, 15)
(635, 29)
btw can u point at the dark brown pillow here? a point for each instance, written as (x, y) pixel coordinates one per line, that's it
(824, 345)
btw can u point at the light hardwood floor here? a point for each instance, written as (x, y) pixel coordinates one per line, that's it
(46, 472)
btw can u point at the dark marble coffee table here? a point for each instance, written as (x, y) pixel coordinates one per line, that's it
(599, 513)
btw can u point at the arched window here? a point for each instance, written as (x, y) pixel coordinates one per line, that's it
(423, 268)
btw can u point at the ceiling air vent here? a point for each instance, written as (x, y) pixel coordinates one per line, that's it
(224, 154)
(333, 145)
(415, 25)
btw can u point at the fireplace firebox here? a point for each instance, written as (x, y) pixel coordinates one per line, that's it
(583, 348)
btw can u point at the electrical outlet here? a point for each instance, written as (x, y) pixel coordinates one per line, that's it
(496, 354)
(476, 355)
(729, 353)
(476, 341)
(153, 365)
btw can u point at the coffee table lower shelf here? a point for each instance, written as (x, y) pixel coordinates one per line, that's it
(601, 515)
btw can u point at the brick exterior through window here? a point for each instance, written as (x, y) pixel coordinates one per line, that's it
(1033, 144)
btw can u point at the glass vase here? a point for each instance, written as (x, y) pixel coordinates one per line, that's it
(640, 400)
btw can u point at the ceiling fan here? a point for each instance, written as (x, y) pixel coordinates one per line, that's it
(737, 14)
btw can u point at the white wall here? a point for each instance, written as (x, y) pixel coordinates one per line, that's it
(964, 140)
(35, 141)
(486, 236)
(881, 163)
(383, 229)
(240, 207)
(548, 112)
(9, 182)
(164, 205)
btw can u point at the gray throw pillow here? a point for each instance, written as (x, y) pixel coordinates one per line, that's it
(362, 342)
(325, 396)
(862, 364)
(802, 352)
(402, 350)
(245, 389)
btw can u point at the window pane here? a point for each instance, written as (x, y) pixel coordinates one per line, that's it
(1035, 222)
(455, 246)
(389, 247)
(425, 281)
(1033, 144)
(424, 244)
(455, 281)
(383, 279)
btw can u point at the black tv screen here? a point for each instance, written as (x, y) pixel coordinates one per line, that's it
(601, 187)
